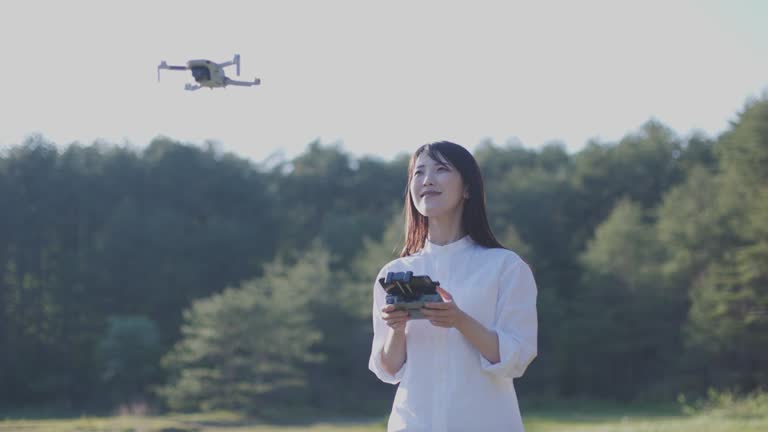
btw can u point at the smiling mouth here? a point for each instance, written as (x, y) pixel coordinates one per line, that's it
(428, 194)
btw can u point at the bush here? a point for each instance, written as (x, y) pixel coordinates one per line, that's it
(729, 404)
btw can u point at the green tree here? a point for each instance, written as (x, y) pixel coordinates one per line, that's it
(247, 347)
(618, 324)
(728, 320)
(129, 353)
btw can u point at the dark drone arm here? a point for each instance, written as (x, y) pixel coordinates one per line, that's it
(164, 65)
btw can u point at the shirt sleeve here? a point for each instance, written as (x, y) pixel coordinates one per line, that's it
(516, 322)
(380, 330)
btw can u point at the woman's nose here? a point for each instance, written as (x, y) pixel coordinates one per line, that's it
(427, 179)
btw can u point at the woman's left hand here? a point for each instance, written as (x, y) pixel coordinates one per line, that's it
(446, 314)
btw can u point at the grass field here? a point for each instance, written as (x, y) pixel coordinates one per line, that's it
(125, 424)
(594, 418)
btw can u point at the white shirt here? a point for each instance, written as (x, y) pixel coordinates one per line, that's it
(445, 383)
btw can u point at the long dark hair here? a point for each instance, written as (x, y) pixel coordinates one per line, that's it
(474, 220)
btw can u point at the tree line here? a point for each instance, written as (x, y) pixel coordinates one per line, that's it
(199, 280)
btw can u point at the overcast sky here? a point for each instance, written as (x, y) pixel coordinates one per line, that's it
(380, 78)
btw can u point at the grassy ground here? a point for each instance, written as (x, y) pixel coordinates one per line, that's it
(634, 420)
(574, 419)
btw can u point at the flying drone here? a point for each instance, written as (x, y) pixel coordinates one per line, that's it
(209, 74)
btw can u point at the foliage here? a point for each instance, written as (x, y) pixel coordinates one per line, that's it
(129, 353)
(246, 348)
(728, 404)
(623, 311)
(728, 316)
(649, 254)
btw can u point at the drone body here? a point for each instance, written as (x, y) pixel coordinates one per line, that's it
(209, 74)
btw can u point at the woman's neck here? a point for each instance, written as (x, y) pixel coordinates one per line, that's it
(444, 230)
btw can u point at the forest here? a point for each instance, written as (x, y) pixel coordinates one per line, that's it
(193, 279)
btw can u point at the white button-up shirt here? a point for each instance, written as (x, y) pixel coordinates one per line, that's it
(445, 383)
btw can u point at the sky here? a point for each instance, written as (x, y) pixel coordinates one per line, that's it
(378, 78)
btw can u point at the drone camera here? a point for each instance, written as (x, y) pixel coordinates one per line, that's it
(201, 73)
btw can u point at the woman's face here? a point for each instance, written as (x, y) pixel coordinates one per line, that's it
(436, 187)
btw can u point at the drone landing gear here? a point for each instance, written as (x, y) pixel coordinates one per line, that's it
(191, 87)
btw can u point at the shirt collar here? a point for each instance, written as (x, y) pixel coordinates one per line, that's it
(458, 245)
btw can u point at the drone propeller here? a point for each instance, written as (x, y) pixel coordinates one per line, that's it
(235, 61)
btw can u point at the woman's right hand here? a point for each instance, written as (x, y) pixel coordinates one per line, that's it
(395, 319)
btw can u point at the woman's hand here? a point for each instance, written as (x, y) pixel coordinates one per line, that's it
(446, 314)
(395, 319)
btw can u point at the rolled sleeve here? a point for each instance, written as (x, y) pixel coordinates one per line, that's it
(516, 322)
(380, 330)
(374, 364)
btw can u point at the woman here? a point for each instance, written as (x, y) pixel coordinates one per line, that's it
(455, 367)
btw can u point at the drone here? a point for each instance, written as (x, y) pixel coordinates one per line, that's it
(209, 74)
